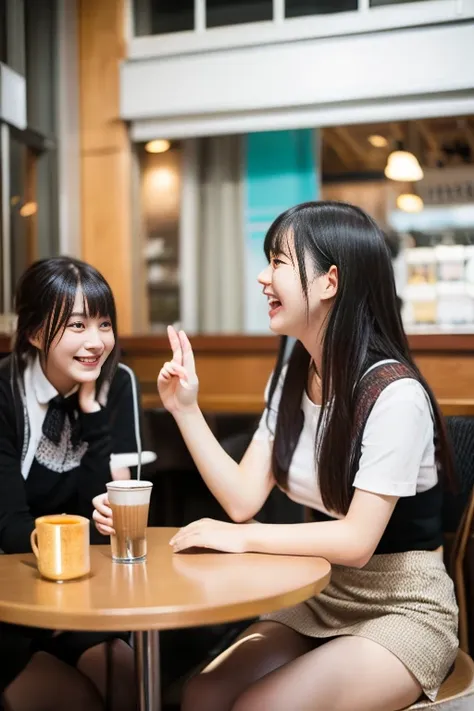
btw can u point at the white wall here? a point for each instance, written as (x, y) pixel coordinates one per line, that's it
(407, 72)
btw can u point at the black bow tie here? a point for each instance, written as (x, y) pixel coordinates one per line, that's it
(58, 409)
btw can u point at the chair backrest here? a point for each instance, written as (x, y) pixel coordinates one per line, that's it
(458, 513)
(461, 435)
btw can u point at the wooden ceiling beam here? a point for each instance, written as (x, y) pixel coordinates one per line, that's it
(397, 131)
(466, 131)
(338, 147)
(358, 151)
(426, 134)
(463, 135)
(350, 151)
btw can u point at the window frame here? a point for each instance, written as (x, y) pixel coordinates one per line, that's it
(364, 20)
(36, 134)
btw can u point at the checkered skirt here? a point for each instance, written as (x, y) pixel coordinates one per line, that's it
(403, 601)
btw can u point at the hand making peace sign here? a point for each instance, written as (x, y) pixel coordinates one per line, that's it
(177, 382)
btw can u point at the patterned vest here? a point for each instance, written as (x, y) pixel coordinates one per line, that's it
(416, 522)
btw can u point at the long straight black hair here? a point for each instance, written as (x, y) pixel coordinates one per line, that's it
(363, 326)
(44, 302)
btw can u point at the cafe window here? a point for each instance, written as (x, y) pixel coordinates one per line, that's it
(158, 17)
(379, 3)
(235, 12)
(194, 22)
(29, 212)
(299, 8)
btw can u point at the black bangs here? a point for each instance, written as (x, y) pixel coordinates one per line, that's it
(98, 301)
(276, 239)
(293, 224)
(44, 302)
(61, 292)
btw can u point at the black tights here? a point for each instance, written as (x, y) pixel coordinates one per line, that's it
(49, 684)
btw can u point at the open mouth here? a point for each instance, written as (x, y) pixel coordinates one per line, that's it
(90, 362)
(274, 305)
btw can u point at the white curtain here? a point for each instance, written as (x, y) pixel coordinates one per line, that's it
(220, 235)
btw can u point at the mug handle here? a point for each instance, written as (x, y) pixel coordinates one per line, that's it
(34, 542)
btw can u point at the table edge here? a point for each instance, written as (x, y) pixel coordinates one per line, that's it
(121, 619)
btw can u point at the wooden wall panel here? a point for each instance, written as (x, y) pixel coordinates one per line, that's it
(105, 151)
(101, 49)
(450, 375)
(233, 382)
(233, 371)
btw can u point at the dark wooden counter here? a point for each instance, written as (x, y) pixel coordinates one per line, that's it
(233, 370)
(442, 343)
(419, 343)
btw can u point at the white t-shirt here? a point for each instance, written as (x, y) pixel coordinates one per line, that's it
(397, 454)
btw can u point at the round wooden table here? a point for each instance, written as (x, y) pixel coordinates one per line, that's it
(167, 591)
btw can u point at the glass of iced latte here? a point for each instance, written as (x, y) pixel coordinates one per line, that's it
(130, 502)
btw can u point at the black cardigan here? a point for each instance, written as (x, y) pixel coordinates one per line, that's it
(111, 430)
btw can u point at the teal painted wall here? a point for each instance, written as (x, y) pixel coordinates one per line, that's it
(281, 170)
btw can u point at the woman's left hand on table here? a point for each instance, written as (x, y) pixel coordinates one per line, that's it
(209, 533)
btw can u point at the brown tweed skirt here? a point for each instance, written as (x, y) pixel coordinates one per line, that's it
(403, 601)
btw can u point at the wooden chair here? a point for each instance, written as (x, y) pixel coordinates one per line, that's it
(458, 517)
(457, 571)
(457, 692)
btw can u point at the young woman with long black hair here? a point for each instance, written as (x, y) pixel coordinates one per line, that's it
(349, 432)
(65, 407)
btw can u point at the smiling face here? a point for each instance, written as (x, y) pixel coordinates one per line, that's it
(78, 353)
(291, 312)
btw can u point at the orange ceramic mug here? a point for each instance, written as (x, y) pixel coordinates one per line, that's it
(61, 545)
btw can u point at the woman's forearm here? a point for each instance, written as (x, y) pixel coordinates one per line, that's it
(222, 475)
(334, 540)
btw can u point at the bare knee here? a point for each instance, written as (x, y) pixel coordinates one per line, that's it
(85, 697)
(47, 684)
(203, 692)
(121, 656)
(93, 664)
(249, 701)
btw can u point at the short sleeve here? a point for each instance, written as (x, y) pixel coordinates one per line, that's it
(397, 433)
(267, 425)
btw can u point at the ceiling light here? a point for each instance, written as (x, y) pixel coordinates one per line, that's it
(409, 202)
(377, 141)
(160, 145)
(162, 178)
(404, 166)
